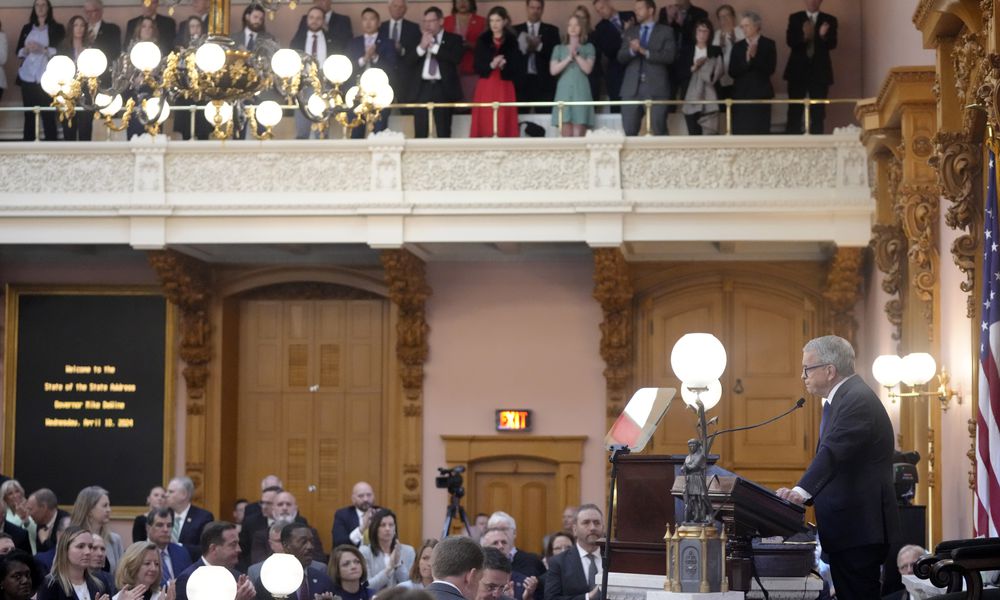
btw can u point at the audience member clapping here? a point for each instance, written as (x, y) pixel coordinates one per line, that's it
(36, 44)
(499, 64)
(572, 62)
(139, 575)
(71, 578)
(706, 66)
(388, 561)
(17, 513)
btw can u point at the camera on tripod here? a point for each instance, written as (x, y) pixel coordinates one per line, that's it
(451, 479)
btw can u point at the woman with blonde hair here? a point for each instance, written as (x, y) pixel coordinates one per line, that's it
(92, 511)
(70, 578)
(16, 502)
(140, 574)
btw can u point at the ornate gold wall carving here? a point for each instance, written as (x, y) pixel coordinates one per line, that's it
(613, 291)
(918, 214)
(405, 275)
(187, 284)
(959, 166)
(843, 290)
(889, 246)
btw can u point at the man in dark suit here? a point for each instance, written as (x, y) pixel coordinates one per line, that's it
(751, 64)
(811, 35)
(607, 38)
(254, 28)
(405, 36)
(338, 26)
(350, 522)
(220, 547)
(315, 41)
(436, 73)
(850, 480)
(647, 51)
(174, 558)
(457, 567)
(682, 17)
(573, 575)
(254, 508)
(502, 540)
(189, 520)
(536, 41)
(166, 27)
(286, 510)
(369, 50)
(256, 521)
(45, 512)
(107, 37)
(496, 575)
(297, 540)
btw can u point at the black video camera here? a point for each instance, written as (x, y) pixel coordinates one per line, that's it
(451, 479)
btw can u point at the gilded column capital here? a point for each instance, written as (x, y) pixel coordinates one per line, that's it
(843, 290)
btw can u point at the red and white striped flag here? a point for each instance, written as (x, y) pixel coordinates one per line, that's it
(987, 428)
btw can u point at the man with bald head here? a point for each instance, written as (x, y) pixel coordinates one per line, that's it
(286, 511)
(350, 522)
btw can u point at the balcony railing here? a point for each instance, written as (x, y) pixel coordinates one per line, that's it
(557, 107)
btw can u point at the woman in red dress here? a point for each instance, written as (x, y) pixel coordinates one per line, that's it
(464, 21)
(499, 64)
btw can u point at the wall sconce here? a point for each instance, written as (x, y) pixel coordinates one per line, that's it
(913, 370)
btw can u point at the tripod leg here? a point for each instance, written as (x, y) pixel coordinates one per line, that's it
(449, 513)
(465, 521)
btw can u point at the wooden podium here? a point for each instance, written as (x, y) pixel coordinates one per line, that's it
(645, 507)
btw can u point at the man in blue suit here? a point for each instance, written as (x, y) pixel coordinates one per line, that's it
(850, 480)
(574, 574)
(220, 547)
(350, 522)
(174, 559)
(189, 520)
(370, 50)
(297, 540)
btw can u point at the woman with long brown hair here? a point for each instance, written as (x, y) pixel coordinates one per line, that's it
(71, 578)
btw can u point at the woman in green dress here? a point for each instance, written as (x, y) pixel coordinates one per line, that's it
(572, 62)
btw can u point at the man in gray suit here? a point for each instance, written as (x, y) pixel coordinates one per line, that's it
(647, 51)
(457, 566)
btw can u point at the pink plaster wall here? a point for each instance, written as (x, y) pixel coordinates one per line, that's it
(512, 335)
(956, 355)
(889, 39)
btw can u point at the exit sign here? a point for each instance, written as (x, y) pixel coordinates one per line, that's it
(513, 420)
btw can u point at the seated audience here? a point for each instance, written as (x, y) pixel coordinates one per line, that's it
(220, 547)
(189, 520)
(46, 558)
(347, 570)
(239, 512)
(558, 543)
(572, 62)
(174, 559)
(71, 577)
(99, 564)
(751, 65)
(92, 511)
(706, 65)
(156, 499)
(523, 586)
(275, 547)
(387, 560)
(20, 576)
(297, 540)
(905, 559)
(420, 572)
(286, 510)
(140, 576)
(496, 582)
(259, 517)
(17, 511)
(44, 510)
(499, 64)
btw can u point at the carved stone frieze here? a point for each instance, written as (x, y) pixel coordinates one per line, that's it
(407, 282)
(496, 170)
(843, 290)
(268, 172)
(889, 247)
(187, 284)
(613, 291)
(917, 207)
(959, 166)
(80, 172)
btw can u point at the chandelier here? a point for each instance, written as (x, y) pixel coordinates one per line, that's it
(142, 84)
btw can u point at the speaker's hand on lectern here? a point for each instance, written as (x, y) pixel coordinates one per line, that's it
(790, 495)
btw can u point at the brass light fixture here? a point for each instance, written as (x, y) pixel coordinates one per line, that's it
(914, 370)
(213, 70)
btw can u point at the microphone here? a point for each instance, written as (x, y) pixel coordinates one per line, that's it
(799, 404)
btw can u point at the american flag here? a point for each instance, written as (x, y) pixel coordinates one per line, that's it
(988, 432)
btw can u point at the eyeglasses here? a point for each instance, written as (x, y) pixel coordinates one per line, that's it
(805, 370)
(493, 587)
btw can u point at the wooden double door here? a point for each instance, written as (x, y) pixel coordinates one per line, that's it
(310, 402)
(763, 322)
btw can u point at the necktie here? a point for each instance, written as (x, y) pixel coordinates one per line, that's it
(315, 46)
(432, 66)
(165, 565)
(823, 419)
(252, 42)
(304, 589)
(592, 570)
(644, 36)
(617, 22)
(395, 31)
(175, 533)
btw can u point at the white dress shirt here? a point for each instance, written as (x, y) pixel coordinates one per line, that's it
(586, 561)
(427, 53)
(320, 45)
